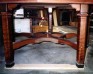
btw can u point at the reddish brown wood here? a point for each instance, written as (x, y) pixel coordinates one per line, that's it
(73, 45)
(45, 1)
(18, 1)
(22, 43)
(39, 37)
(11, 6)
(70, 35)
(82, 38)
(43, 34)
(88, 1)
(9, 52)
(57, 35)
(46, 39)
(39, 40)
(61, 1)
(40, 34)
(6, 17)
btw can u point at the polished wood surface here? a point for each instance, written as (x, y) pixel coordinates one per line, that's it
(82, 38)
(47, 1)
(45, 37)
(9, 46)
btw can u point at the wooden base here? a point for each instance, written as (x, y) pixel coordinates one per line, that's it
(8, 65)
(79, 65)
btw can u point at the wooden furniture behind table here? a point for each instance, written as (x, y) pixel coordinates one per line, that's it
(7, 8)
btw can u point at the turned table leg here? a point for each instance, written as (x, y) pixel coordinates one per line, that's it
(81, 43)
(7, 36)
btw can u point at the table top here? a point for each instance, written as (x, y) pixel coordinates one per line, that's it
(47, 1)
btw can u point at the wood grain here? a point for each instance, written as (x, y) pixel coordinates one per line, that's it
(39, 37)
(8, 49)
(82, 39)
(45, 1)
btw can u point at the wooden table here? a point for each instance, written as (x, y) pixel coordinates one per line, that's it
(7, 8)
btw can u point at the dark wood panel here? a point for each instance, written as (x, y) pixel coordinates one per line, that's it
(2, 7)
(11, 6)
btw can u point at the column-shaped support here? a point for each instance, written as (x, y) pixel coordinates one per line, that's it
(55, 18)
(82, 38)
(50, 28)
(7, 37)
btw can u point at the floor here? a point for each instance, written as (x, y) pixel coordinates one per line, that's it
(50, 54)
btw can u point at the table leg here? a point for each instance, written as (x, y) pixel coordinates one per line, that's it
(7, 36)
(81, 41)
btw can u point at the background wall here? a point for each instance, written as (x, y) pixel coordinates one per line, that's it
(21, 24)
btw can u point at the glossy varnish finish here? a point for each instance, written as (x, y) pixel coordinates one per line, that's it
(46, 1)
(49, 36)
(39, 37)
(82, 38)
(9, 52)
